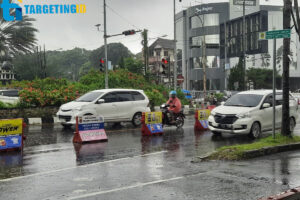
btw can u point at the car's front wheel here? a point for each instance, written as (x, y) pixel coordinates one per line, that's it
(137, 119)
(216, 133)
(67, 126)
(255, 130)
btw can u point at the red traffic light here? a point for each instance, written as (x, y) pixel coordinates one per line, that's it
(102, 61)
(129, 32)
(165, 61)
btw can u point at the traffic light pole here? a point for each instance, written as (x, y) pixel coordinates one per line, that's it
(105, 46)
(175, 50)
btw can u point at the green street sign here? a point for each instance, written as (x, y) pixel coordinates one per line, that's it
(268, 35)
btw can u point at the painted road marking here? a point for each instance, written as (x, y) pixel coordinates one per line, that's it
(134, 186)
(81, 166)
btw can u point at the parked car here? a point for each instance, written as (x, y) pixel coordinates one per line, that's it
(9, 96)
(250, 112)
(115, 105)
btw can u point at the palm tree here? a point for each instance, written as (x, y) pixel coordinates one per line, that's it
(16, 36)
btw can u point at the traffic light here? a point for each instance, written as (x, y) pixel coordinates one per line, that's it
(164, 63)
(129, 32)
(101, 65)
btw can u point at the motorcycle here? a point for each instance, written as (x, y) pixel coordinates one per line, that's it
(166, 117)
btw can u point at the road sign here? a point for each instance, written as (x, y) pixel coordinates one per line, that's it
(247, 2)
(180, 79)
(285, 33)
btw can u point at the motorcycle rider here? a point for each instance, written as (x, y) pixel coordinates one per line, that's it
(175, 105)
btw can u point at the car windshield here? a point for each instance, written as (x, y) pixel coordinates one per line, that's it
(244, 100)
(89, 97)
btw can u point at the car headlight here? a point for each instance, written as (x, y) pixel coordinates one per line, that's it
(77, 109)
(244, 115)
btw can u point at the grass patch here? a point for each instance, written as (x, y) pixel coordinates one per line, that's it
(236, 152)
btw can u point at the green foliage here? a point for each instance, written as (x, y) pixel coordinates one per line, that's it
(54, 92)
(262, 78)
(219, 96)
(47, 92)
(16, 36)
(156, 98)
(236, 152)
(182, 98)
(237, 76)
(116, 51)
(133, 65)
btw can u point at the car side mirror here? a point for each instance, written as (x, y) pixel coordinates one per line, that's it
(222, 103)
(266, 105)
(100, 101)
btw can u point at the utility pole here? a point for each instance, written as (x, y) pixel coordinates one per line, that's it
(175, 50)
(244, 44)
(145, 50)
(285, 126)
(225, 51)
(105, 46)
(45, 64)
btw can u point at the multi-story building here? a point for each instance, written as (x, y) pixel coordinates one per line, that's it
(195, 26)
(206, 22)
(162, 48)
(6, 73)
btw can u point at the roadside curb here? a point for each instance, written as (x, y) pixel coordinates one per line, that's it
(255, 153)
(292, 194)
(41, 120)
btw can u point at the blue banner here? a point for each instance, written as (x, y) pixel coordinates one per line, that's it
(155, 128)
(204, 123)
(10, 142)
(93, 126)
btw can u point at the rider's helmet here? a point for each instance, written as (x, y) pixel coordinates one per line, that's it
(173, 94)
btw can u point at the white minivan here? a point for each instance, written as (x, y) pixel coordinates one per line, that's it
(251, 112)
(115, 105)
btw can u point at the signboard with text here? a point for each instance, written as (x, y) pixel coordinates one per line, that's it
(152, 123)
(153, 118)
(276, 34)
(247, 2)
(89, 129)
(11, 134)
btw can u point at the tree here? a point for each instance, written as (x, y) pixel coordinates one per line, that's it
(133, 65)
(236, 77)
(116, 51)
(285, 125)
(261, 77)
(16, 36)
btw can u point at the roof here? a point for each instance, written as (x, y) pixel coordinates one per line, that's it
(162, 43)
(259, 92)
(115, 89)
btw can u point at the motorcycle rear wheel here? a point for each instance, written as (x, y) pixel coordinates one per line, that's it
(179, 121)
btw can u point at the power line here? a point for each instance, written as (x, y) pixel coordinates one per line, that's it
(121, 16)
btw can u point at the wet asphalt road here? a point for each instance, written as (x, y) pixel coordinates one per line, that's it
(130, 166)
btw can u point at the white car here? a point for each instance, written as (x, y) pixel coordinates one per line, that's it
(115, 105)
(251, 112)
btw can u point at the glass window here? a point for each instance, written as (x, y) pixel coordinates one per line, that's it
(166, 53)
(210, 40)
(206, 20)
(124, 96)
(110, 98)
(137, 96)
(89, 97)
(244, 100)
(212, 61)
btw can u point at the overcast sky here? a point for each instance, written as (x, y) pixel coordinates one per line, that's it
(77, 30)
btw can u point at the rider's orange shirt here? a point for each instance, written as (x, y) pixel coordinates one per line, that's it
(175, 102)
